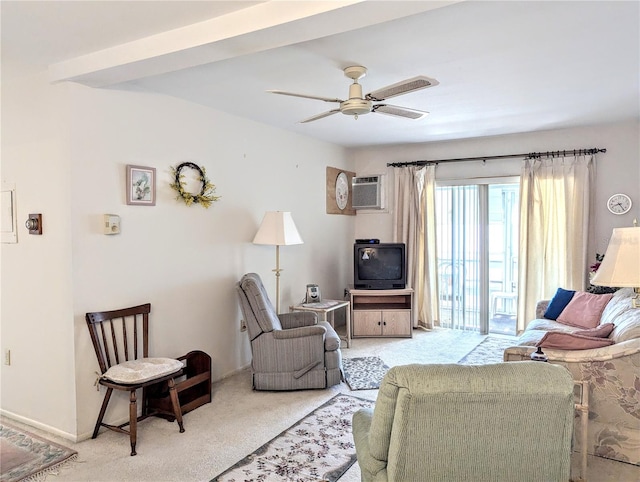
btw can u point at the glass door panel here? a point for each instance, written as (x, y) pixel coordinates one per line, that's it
(457, 217)
(503, 257)
(477, 231)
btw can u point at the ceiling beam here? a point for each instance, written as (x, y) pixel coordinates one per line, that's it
(260, 27)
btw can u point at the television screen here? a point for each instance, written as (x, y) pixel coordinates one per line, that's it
(379, 266)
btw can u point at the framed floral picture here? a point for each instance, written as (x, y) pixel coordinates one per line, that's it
(141, 185)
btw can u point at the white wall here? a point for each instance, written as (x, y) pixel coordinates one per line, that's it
(36, 308)
(184, 260)
(618, 170)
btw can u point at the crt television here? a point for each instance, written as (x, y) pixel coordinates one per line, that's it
(379, 266)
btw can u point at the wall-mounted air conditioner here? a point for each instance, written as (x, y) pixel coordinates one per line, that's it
(368, 192)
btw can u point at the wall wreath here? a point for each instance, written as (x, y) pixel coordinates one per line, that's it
(205, 197)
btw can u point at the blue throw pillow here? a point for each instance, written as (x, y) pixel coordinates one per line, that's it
(558, 303)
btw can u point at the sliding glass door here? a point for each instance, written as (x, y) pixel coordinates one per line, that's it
(477, 246)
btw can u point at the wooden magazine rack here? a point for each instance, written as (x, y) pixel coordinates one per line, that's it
(194, 387)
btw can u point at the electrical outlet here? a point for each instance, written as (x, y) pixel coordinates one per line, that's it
(243, 325)
(7, 357)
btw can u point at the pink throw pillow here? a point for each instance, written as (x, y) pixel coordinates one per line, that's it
(602, 331)
(584, 309)
(570, 341)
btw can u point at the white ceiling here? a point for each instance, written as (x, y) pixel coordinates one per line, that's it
(503, 67)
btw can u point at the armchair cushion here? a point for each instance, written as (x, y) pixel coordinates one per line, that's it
(371, 467)
(299, 332)
(297, 319)
(142, 370)
(331, 338)
(262, 308)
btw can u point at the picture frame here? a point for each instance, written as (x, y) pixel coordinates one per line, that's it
(141, 185)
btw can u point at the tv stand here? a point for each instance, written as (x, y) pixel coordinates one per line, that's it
(381, 313)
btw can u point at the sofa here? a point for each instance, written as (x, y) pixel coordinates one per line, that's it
(486, 423)
(612, 372)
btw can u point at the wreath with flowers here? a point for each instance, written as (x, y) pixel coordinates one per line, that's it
(206, 195)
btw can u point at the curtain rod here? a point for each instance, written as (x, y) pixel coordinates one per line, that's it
(530, 155)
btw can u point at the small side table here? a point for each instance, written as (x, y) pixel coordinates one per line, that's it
(328, 307)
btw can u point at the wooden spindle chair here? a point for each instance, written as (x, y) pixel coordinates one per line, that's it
(121, 342)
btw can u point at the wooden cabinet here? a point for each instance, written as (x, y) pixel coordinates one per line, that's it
(381, 313)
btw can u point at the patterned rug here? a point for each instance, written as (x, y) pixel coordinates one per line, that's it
(364, 373)
(318, 448)
(27, 457)
(490, 350)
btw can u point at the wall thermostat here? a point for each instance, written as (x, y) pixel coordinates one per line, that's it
(111, 224)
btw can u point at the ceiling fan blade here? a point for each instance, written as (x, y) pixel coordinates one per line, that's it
(304, 96)
(394, 110)
(320, 116)
(401, 88)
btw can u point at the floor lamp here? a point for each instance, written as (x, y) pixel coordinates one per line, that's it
(277, 229)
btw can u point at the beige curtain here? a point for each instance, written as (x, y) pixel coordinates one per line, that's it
(414, 225)
(555, 203)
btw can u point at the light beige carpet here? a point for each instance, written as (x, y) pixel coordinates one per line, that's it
(240, 420)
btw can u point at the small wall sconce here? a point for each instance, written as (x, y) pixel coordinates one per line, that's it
(34, 224)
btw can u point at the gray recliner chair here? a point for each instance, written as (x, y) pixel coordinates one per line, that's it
(290, 351)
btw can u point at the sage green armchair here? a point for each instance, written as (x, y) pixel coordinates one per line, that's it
(487, 423)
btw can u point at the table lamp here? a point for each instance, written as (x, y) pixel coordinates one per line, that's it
(621, 264)
(277, 229)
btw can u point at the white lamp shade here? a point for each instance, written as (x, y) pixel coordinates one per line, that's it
(621, 264)
(277, 229)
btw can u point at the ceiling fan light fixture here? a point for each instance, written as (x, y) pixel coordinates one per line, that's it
(355, 107)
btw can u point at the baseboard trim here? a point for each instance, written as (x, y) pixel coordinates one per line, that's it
(39, 425)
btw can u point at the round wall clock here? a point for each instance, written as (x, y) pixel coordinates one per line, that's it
(619, 204)
(342, 190)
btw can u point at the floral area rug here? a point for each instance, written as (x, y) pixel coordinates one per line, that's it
(27, 457)
(489, 350)
(364, 373)
(317, 448)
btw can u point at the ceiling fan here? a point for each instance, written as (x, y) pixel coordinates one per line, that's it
(357, 105)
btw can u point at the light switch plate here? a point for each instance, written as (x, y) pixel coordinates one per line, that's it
(111, 224)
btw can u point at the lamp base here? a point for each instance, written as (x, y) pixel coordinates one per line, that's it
(635, 301)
